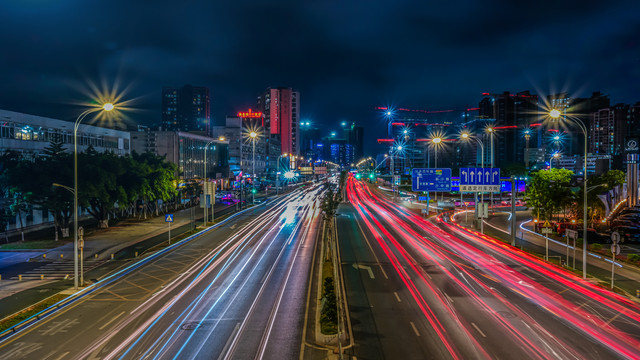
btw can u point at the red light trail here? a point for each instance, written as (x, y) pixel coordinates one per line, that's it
(452, 247)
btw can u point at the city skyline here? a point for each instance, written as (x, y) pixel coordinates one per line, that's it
(345, 63)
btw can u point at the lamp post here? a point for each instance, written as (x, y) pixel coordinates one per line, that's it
(253, 135)
(105, 107)
(555, 114)
(204, 187)
(436, 141)
(555, 155)
(491, 130)
(466, 136)
(278, 170)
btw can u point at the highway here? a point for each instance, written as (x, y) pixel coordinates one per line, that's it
(236, 292)
(427, 289)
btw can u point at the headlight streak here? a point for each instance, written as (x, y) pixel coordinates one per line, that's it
(181, 318)
(541, 294)
(195, 304)
(153, 320)
(272, 316)
(240, 331)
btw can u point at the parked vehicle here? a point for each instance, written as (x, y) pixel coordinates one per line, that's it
(628, 233)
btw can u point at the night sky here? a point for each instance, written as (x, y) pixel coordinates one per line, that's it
(345, 57)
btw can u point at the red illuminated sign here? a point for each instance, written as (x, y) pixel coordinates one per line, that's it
(249, 114)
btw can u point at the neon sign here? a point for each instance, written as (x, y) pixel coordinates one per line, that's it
(249, 114)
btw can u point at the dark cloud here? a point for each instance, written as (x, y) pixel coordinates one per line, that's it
(344, 56)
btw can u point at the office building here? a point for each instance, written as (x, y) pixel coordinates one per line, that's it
(281, 109)
(235, 132)
(30, 134)
(186, 109)
(186, 150)
(513, 113)
(608, 129)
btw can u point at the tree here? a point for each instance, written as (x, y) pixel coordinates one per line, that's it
(549, 191)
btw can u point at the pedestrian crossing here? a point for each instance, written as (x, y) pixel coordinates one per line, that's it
(57, 270)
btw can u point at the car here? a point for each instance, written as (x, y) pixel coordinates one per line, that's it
(628, 233)
(595, 237)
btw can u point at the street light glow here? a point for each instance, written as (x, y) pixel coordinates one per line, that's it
(436, 140)
(253, 134)
(465, 135)
(399, 147)
(554, 114)
(108, 106)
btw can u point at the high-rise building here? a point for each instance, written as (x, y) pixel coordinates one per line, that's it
(608, 129)
(241, 152)
(186, 109)
(513, 113)
(309, 139)
(281, 109)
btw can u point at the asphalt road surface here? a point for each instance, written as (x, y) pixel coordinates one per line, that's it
(425, 289)
(236, 292)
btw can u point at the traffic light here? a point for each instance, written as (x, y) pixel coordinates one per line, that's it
(358, 176)
(372, 176)
(253, 191)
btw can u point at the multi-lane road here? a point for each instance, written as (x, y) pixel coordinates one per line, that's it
(421, 289)
(236, 292)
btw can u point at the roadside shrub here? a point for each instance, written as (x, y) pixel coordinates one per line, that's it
(633, 257)
(596, 247)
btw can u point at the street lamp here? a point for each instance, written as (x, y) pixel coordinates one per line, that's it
(555, 155)
(555, 115)
(204, 188)
(467, 136)
(253, 135)
(105, 107)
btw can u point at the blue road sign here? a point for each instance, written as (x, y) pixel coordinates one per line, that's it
(438, 179)
(480, 179)
(479, 176)
(168, 217)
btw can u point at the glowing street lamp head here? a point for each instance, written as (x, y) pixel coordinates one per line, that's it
(554, 114)
(289, 175)
(465, 135)
(490, 129)
(436, 140)
(253, 134)
(399, 147)
(556, 138)
(388, 113)
(222, 138)
(556, 155)
(108, 106)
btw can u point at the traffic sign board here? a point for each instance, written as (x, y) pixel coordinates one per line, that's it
(168, 218)
(571, 234)
(480, 179)
(438, 179)
(546, 224)
(615, 237)
(615, 249)
(546, 230)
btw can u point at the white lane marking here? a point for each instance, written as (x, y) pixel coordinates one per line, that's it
(364, 267)
(397, 297)
(477, 328)
(61, 356)
(415, 330)
(448, 298)
(110, 321)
